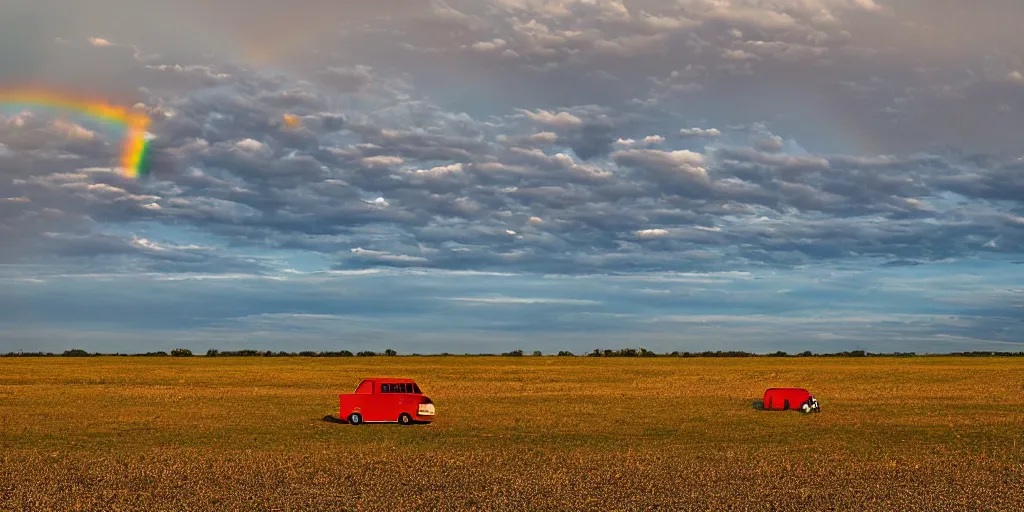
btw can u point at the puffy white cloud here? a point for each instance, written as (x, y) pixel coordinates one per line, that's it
(682, 161)
(651, 233)
(250, 145)
(556, 120)
(699, 132)
(382, 161)
(488, 46)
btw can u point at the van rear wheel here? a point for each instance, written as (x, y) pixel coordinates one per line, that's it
(355, 419)
(785, 405)
(404, 419)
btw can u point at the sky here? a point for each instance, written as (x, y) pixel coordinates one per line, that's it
(490, 175)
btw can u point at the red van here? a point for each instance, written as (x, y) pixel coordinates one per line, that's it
(784, 399)
(383, 400)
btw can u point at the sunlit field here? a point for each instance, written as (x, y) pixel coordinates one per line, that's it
(512, 433)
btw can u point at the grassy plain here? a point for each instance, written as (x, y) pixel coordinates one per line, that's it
(529, 433)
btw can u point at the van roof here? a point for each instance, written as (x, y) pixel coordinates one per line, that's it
(389, 380)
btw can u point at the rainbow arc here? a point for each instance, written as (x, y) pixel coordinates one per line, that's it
(134, 144)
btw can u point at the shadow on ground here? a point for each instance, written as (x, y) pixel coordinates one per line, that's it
(758, 405)
(331, 419)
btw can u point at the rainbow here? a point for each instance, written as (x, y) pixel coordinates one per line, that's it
(133, 149)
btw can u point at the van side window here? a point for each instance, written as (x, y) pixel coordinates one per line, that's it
(384, 388)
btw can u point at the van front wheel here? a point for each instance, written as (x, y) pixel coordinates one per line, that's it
(404, 419)
(355, 419)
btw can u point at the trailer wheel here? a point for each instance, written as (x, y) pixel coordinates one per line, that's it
(404, 419)
(355, 419)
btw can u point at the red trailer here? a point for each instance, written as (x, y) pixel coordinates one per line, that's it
(784, 399)
(382, 400)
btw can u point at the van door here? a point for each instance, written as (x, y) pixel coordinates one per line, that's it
(405, 399)
(363, 399)
(384, 403)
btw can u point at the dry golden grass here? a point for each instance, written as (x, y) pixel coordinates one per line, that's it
(530, 433)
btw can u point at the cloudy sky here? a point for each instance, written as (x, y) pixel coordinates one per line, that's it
(485, 175)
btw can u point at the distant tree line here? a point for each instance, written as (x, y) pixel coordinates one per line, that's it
(305, 353)
(624, 352)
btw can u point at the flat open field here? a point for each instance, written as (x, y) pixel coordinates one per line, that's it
(529, 433)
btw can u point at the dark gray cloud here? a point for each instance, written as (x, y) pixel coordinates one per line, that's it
(594, 139)
(516, 136)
